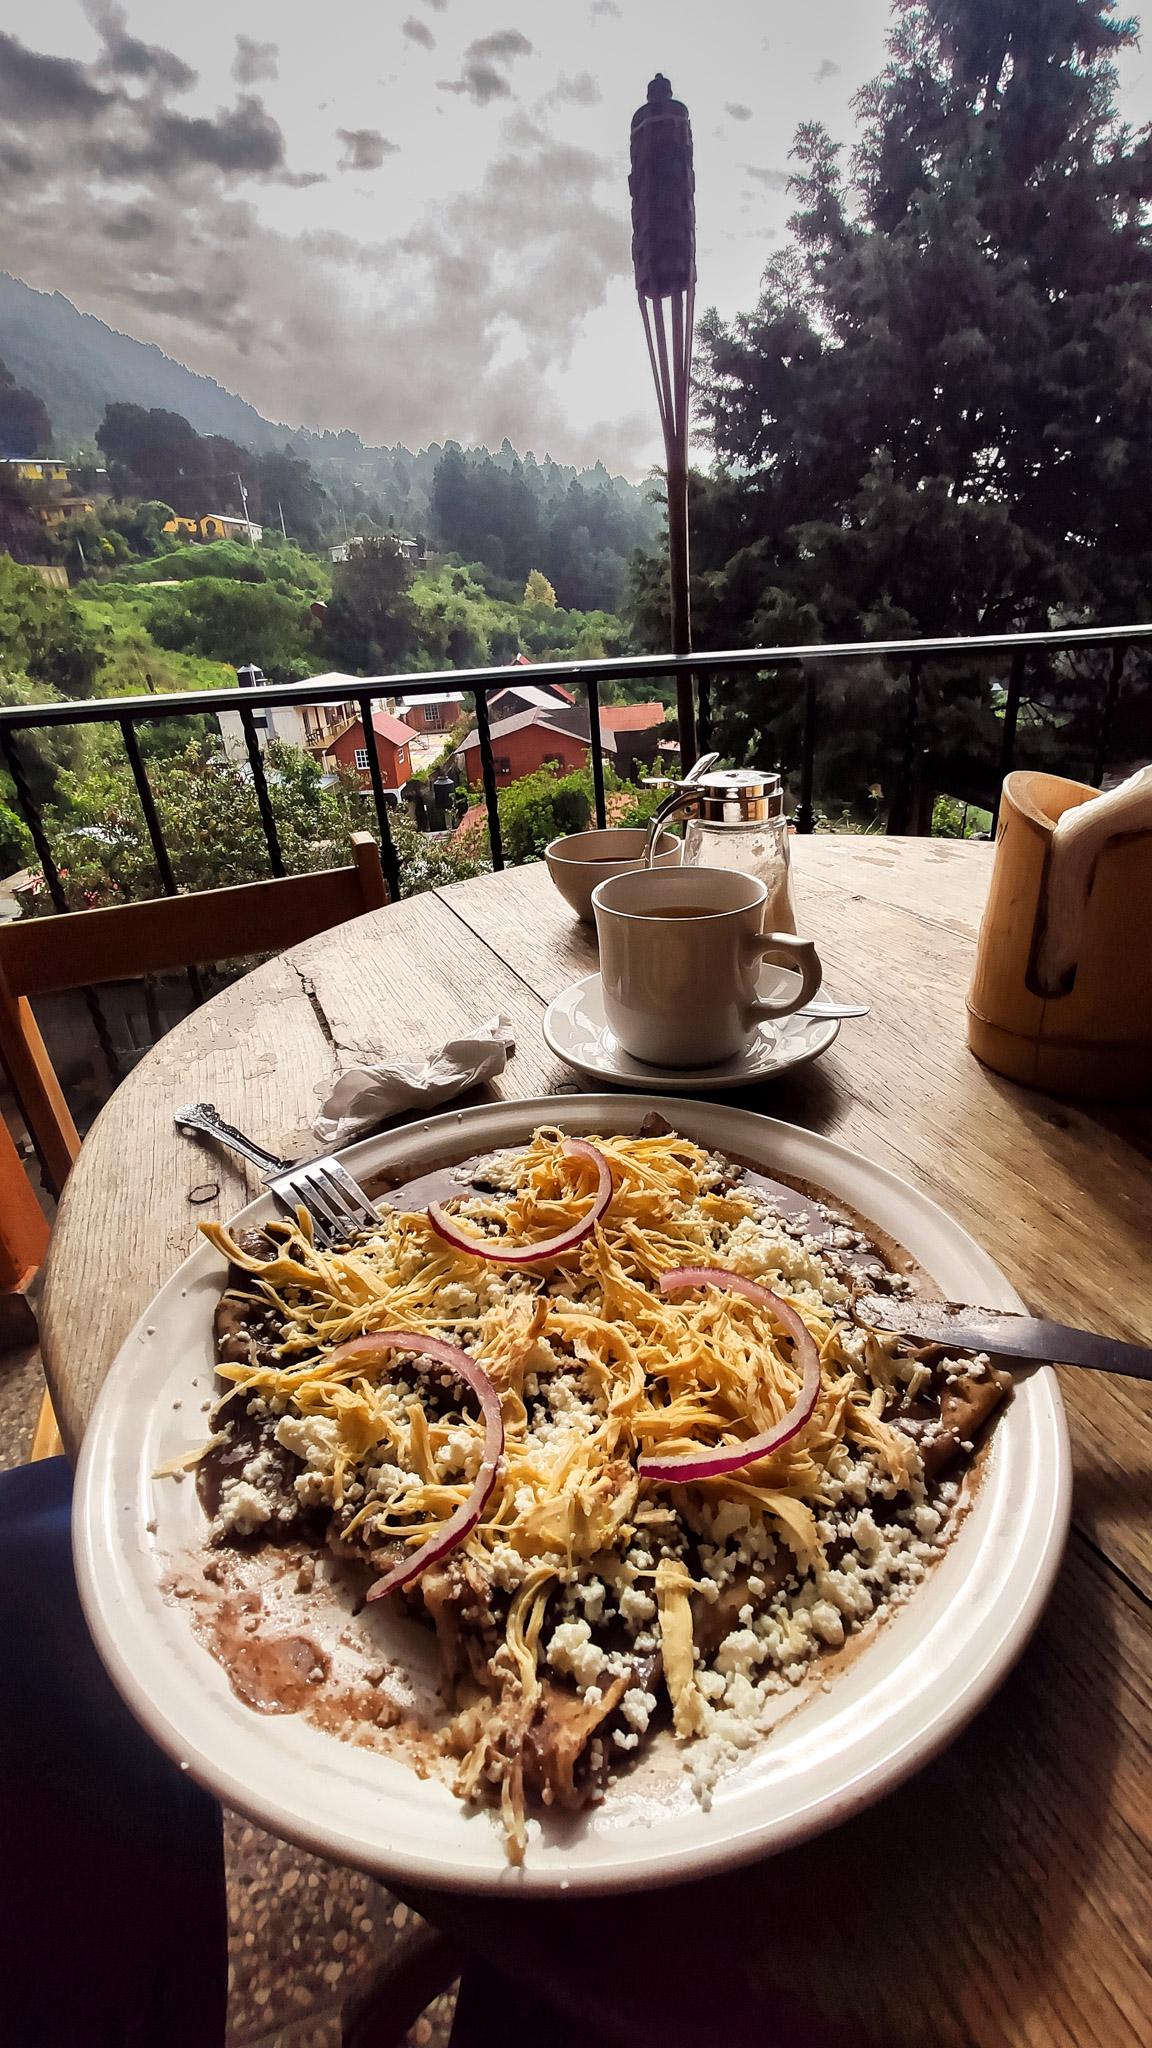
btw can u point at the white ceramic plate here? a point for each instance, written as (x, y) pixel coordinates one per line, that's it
(893, 1706)
(577, 1030)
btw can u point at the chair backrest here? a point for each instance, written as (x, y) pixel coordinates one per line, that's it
(41, 956)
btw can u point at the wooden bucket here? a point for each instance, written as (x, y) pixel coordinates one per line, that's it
(1094, 1039)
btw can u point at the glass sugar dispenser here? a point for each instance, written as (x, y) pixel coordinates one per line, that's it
(734, 819)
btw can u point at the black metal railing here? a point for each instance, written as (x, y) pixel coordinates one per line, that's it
(708, 673)
(810, 663)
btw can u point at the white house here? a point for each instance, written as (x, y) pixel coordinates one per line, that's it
(294, 725)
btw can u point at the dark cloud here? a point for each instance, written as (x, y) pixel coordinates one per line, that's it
(326, 329)
(418, 32)
(776, 181)
(243, 138)
(55, 87)
(479, 76)
(737, 110)
(606, 7)
(135, 224)
(581, 89)
(481, 82)
(439, 5)
(15, 162)
(501, 47)
(127, 57)
(214, 310)
(254, 61)
(826, 69)
(364, 149)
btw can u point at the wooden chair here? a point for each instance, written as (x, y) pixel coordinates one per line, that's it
(43, 956)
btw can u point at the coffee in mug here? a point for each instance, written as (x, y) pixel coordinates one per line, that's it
(680, 957)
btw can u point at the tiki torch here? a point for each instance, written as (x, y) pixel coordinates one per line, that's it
(662, 186)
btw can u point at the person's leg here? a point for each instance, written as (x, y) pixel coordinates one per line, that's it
(111, 1866)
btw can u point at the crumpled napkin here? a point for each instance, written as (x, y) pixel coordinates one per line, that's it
(364, 1095)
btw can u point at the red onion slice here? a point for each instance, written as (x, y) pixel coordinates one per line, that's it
(369, 1350)
(713, 1464)
(503, 1254)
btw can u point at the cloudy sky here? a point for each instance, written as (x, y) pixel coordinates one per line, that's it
(407, 216)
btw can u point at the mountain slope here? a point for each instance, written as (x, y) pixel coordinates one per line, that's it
(77, 365)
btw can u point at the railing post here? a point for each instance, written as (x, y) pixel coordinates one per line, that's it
(260, 785)
(1107, 714)
(389, 858)
(806, 810)
(1008, 735)
(30, 812)
(156, 835)
(703, 714)
(488, 778)
(596, 739)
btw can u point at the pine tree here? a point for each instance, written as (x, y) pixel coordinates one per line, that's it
(938, 419)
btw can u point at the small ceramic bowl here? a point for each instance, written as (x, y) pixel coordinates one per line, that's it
(582, 859)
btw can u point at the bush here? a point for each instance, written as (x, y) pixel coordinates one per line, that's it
(540, 807)
(234, 622)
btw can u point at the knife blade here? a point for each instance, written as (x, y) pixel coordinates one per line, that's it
(965, 1328)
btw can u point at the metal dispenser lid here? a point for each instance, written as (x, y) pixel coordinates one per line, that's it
(737, 796)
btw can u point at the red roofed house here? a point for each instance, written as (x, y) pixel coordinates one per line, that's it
(530, 740)
(393, 750)
(631, 717)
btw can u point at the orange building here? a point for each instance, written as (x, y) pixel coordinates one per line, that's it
(393, 750)
(531, 740)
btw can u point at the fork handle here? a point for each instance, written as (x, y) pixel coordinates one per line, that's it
(204, 1116)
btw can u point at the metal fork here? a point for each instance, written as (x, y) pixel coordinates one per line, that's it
(337, 1204)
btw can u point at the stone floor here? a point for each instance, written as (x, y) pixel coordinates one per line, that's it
(299, 1930)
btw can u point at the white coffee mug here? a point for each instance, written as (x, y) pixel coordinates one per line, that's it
(680, 957)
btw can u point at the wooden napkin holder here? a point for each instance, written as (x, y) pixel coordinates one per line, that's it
(1094, 1038)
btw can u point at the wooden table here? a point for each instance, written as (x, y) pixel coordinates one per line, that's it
(1004, 1895)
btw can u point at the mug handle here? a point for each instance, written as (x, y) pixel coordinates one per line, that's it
(787, 951)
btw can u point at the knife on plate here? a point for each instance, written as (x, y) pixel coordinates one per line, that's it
(965, 1328)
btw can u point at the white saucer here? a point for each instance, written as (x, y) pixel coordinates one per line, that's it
(577, 1030)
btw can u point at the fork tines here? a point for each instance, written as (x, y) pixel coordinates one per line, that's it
(337, 1204)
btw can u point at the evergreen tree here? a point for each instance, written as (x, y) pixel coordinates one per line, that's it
(938, 418)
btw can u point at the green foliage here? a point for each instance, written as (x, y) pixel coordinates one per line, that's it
(371, 625)
(25, 428)
(936, 419)
(45, 754)
(15, 839)
(538, 590)
(237, 623)
(643, 804)
(43, 634)
(427, 863)
(514, 515)
(541, 807)
(951, 820)
(211, 827)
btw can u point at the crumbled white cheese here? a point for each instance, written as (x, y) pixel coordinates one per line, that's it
(637, 1708)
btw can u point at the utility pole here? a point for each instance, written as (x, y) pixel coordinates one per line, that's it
(283, 528)
(662, 185)
(244, 502)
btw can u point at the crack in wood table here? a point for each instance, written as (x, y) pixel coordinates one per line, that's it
(1004, 1895)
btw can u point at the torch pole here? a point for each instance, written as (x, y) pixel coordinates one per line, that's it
(664, 260)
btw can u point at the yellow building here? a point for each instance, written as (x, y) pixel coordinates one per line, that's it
(27, 471)
(54, 513)
(215, 526)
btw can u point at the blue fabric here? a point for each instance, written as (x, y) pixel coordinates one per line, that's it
(112, 1906)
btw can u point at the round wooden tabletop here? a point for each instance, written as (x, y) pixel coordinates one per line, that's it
(1003, 1895)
